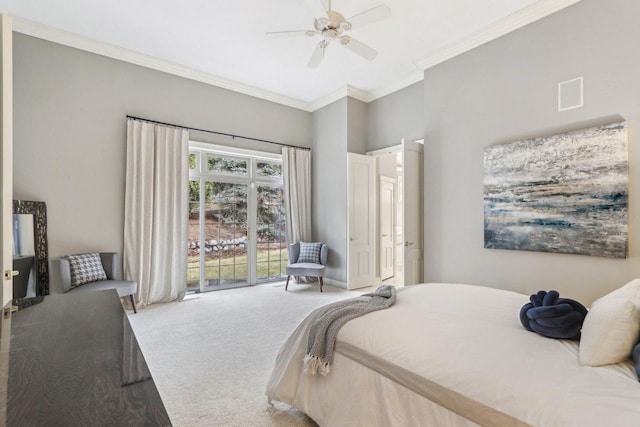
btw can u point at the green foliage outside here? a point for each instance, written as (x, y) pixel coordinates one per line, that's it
(269, 169)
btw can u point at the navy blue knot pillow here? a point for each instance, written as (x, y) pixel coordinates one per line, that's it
(552, 316)
(635, 355)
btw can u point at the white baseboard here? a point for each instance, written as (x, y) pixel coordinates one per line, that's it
(333, 282)
(363, 287)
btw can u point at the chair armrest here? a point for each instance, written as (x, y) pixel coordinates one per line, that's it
(294, 252)
(323, 254)
(59, 276)
(111, 265)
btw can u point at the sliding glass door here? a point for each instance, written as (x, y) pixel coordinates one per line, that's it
(236, 220)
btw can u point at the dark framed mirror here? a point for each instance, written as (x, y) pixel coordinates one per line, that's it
(30, 247)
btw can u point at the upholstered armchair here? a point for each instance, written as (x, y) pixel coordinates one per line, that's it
(60, 280)
(305, 266)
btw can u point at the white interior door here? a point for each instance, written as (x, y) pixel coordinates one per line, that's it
(6, 157)
(361, 224)
(412, 197)
(387, 230)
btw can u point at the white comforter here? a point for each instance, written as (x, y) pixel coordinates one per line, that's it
(466, 346)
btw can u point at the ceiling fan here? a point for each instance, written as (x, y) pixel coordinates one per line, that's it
(332, 25)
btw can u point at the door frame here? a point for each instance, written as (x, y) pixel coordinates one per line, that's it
(251, 180)
(413, 250)
(6, 158)
(394, 149)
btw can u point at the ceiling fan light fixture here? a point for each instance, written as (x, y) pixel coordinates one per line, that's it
(330, 34)
(345, 25)
(321, 23)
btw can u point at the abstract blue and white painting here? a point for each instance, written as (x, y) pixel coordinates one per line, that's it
(566, 193)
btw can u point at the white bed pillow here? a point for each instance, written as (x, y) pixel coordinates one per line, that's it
(629, 291)
(610, 331)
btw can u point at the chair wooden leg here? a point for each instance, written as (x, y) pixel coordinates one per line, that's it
(287, 285)
(321, 283)
(133, 304)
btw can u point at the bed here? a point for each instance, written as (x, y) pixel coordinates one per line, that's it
(453, 355)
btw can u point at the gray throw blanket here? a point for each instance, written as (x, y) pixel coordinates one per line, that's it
(323, 332)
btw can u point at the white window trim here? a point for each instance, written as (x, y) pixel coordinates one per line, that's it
(251, 156)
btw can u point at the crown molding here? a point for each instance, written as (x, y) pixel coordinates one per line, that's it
(76, 41)
(510, 23)
(412, 78)
(329, 99)
(345, 91)
(359, 94)
(367, 96)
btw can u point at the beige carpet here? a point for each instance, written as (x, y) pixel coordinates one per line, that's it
(211, 354)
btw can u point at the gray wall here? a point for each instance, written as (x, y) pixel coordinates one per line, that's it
(329, 184)
(396, 116)
(505, 91)
(356, 126)
(70, 133)
(338, 128)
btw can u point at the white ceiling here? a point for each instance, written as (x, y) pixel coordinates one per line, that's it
(226, 39)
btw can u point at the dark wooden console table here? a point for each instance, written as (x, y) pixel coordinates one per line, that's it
(73, 360)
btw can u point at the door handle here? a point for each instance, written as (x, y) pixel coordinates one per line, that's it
(351, 239)
(385, 235)
(8, 274)
(408, 243)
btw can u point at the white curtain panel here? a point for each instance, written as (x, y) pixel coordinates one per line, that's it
(156, 211)
(296, 175)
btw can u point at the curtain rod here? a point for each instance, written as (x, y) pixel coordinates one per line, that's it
(217, 133)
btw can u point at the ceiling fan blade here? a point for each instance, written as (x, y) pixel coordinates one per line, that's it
(369, 16)
(286, 34)
(318, 55)
(317, 8)
(359, 48)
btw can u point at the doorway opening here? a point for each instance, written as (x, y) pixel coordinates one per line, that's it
(390, 177)
(399, 213)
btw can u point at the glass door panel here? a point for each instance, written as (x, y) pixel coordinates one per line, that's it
(193, 245)
(271, 234)
(212, 240)
(226, 235)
